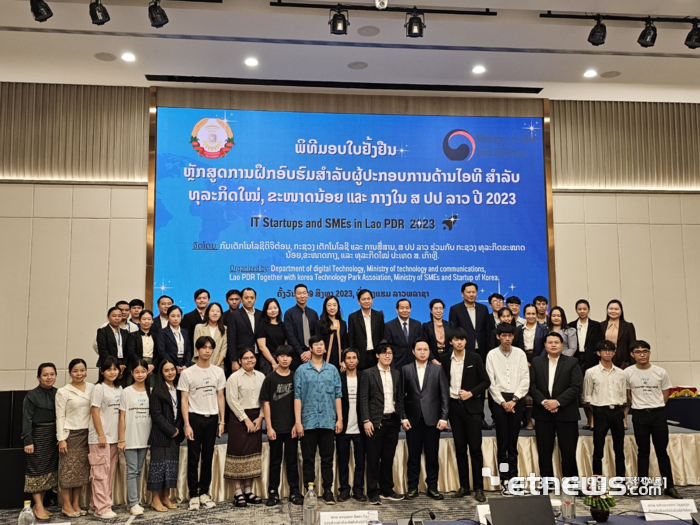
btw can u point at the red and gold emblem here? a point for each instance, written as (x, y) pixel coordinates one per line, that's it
(212, 138)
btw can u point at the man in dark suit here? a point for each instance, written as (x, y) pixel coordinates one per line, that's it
(191, 319)
(589, 333)
(353, 431)
(496, 303)
(467, 380)
(241, 325)
(555, 386)
(425, 413)
(112, 342)
(300, 324)
(163, 303)
(381, 402)
(473, 318)
(233, 299)
(400, 334)
(359, 324)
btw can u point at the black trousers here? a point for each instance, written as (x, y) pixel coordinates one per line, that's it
(423, 438)
(381, 448)
(652, 425)
(546, 430)
(321, 439)
(342, 443)
(605, 418)
(287, 445)
(507, 432)
(202, 446)
(466, 432)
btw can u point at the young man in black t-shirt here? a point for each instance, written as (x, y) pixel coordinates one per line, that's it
(277, 395)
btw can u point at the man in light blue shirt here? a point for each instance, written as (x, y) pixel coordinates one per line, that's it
(318, 413)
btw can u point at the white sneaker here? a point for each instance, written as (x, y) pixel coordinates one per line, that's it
(205, 500)
(136, 510)
(194, 503)
(110, 514)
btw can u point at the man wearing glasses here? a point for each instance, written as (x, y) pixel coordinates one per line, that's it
(605, 391)
(648, 388)
(496, 303)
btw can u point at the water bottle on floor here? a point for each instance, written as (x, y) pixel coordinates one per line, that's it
(26, 517)
(310, 507)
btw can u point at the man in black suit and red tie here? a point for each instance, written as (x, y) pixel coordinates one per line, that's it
(468, 381)
(366, 330)
(555, 386)
(241, 325)
(473, 318)
(400, 334)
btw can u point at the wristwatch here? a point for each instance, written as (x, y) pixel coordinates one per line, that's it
(516, 398)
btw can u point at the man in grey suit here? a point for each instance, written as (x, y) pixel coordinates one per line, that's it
(425, 413)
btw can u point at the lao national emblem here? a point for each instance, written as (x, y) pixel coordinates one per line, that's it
(212, 138)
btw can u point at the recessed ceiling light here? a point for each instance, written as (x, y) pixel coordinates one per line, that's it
(252, 62)
(478, 70)
(590, 73)
(105, 57)
(128, 57)
(357, 65)
(610, 74)
(368, 31)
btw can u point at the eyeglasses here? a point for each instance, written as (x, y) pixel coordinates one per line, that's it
(641, 352)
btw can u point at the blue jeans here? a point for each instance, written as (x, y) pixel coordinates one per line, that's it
(134, 463)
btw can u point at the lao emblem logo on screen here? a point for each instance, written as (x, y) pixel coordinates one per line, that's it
(212, 138)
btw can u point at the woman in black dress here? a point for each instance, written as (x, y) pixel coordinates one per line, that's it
(270, 334)
(334, 332)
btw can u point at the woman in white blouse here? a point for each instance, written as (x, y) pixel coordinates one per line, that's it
(214, 327)
(243, 453)
(557, 323)
(73, 405)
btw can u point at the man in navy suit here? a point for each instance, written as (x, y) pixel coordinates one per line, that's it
(473, 318)
(241, 324)
(401, 333)
(425, 413)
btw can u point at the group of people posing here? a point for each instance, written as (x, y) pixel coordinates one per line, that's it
(326, 384)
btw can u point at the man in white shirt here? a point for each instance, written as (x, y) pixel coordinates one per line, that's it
(510, 380)
(605, 392)
(366, 330)
(648, 389)
(202, 387)
(352, 430)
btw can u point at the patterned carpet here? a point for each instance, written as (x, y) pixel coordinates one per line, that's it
(286, 513)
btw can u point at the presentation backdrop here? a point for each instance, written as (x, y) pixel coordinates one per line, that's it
(407, 206)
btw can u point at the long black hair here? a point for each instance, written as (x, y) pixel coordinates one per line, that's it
(107, 363)
(325, 320)
(144, 364)
(160, 388)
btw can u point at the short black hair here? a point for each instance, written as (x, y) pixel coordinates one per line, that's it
(383, 347)
(145, 311)
(363, 292)
(173, 308)
(420, 340)
(513, 300)
(554, 334)
(200, 292)
(605, 345)
(350, 350)
(458, 333)
(401, 300)
(583, 301)
(300, 285)
(109, 312)
(505, 328)
(45, 365)
(164, 297)
(136, 302)
(315, 339)
(284, 350)
(434, 302)
(639, 343)
(75, 362)
(233, 292)
(204, 339)
(495, 296)
(469, 283)
(504, 311)
(116, 305)
(249, 289)
(540, 298)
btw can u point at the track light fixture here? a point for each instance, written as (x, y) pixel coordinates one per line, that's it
(98, 13)
(40, 10)
(415, 23)
(339, 20)
(648, 36)
(157, 14)
(693, 38)
(597, 34)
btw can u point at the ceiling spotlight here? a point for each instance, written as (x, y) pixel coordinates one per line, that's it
(648, 36)
(590, 73)
(339, 21)
(98, 13)
(41, 10)
(415, 23)
(252, 62)
(597, 34)
(478, 70)
(157, 14)
(128, 57)
(693, 38)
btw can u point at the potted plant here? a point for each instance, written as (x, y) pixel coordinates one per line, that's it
(600, 506)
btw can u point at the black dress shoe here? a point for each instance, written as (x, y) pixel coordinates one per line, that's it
(343, 496)
(479, 495)
(672, 492)
(461, 492)
(328, 498)
(412, 494)
(435, 494)
(272, 500)
(359, 497)
(296, 499)
(485, 425)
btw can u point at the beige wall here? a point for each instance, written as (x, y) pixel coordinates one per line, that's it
(69, 252)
